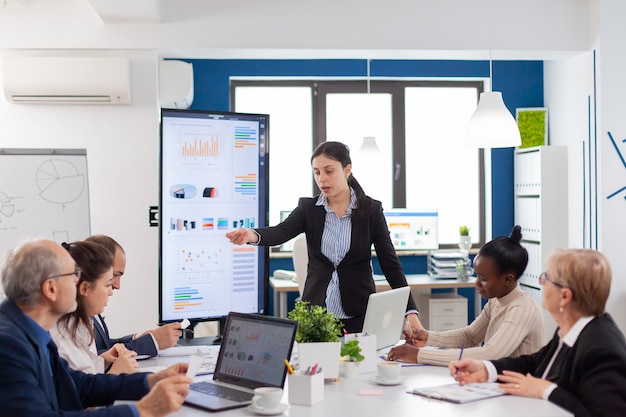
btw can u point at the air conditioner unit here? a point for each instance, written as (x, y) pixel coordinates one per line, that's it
(175, 84)
(69, 80)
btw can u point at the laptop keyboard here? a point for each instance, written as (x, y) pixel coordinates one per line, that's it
(221, 391)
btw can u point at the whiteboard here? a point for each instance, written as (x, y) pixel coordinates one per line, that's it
(44, 193)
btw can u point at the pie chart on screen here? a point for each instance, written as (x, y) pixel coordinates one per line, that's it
(59, 181)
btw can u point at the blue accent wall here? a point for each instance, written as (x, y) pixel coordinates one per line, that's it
(521, 84)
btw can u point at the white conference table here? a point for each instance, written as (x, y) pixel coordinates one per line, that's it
(342, 399)
(282, 287)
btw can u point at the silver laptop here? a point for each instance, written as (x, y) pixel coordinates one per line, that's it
(384, 316)
(252, 354)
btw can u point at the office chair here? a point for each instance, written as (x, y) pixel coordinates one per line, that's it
(300, 258)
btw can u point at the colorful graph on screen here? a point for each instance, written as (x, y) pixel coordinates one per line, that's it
(208, 147)
(186, 297)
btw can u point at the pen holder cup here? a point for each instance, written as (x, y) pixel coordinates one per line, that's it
(305, 389)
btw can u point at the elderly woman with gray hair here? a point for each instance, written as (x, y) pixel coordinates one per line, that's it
(583, 367)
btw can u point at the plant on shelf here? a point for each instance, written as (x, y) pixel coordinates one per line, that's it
(351, 351)
(465, 240)
(315, 324)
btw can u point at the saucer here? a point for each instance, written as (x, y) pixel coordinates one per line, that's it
(282, 407)
(378, 380)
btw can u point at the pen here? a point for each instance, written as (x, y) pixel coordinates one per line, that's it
(289, 367)
(460, 357)
(408, 325)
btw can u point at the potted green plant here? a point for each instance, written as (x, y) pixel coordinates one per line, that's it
(465, 240)
(351, 353)
(317, 337)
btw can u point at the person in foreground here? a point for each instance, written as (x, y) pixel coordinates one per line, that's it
(340, 224)
(511, 323)
(73, 333)
(39, 280)
(583, 367)
(148, 342)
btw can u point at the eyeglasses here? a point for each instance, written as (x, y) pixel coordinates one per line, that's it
(75, 273)
(543, 278)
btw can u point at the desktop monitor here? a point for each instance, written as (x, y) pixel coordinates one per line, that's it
(413, 229)
(213, 179)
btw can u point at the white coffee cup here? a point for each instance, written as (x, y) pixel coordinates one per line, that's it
(389, 371)
(267, 398)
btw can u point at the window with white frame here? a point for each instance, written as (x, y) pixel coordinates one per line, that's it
(417, 129)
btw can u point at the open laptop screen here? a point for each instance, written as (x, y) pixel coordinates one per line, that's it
(254, 349)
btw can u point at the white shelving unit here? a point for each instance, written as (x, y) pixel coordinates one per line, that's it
(541, 211)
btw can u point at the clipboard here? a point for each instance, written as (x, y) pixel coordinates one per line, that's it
(460, 394)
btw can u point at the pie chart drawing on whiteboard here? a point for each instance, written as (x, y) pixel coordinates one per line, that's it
(7, 208)
(59, 181)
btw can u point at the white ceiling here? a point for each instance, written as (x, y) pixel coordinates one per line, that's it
(127, 11)
(402, 29)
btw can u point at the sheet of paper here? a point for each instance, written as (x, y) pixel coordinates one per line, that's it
(187, 350)
(153, 369)
(196, 361)
(457, 393)
(185, 323)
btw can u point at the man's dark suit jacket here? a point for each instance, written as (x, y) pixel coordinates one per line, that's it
(143, 345)
(27, 388)
(355, 274)
(591, 375)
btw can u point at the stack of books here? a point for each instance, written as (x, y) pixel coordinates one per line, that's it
(443, 263)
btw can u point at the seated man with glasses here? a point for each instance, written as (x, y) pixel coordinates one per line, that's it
(39, 280)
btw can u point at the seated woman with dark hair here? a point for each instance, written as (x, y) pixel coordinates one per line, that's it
(511, 323)
(583, 368)
(73, 333)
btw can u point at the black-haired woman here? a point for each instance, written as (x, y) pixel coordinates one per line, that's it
(340, 224)
(511, 323)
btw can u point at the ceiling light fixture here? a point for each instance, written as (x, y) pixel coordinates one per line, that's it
(492, 125)
(369, 148)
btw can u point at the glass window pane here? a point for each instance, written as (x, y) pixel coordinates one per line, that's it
(350, 118)
(441, 172)
(290, 141)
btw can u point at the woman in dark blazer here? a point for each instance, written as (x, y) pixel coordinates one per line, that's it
(340, 224)
(583, 368)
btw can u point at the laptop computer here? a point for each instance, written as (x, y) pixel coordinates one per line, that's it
(252, 354)
(384, 316)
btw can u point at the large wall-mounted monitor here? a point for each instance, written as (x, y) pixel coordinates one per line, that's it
(413, 229)
(214, 179)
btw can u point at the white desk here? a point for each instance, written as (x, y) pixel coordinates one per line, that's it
(341, 399)
(282, 287)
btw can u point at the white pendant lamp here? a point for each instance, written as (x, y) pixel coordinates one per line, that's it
(492, 125)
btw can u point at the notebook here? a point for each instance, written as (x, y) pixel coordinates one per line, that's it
(457, 393)
(252, 354)
(384, 316)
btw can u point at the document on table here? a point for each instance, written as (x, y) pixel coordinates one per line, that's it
(459, 394)
(189, 350)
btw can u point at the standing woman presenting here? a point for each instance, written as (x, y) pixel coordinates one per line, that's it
(341, 224)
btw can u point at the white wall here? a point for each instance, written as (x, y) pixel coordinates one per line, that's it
(122, 157)
(612, 91)
(569, 94)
